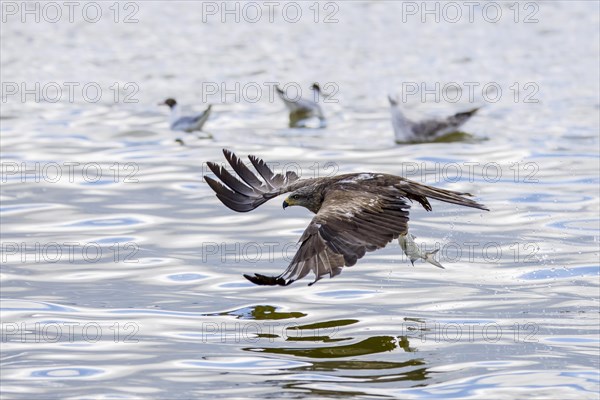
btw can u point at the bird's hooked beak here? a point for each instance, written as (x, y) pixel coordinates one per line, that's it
(162, 104)
(285, 204)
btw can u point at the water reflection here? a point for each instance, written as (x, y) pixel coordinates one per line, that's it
(321, 353)
(449, 138)
(372, 345)
(265, 312)
(300, 119)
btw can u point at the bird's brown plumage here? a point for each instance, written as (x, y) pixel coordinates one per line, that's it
(355, 213)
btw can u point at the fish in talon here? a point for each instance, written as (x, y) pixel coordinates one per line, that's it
(414, 253)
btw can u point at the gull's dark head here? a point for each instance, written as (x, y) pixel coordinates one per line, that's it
(306, 197)
(168, 102)
(315, 86)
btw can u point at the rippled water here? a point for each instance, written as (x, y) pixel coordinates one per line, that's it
(121, 271)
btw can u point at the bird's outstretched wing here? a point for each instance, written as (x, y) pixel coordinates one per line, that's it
(350, 223)
(250, 192)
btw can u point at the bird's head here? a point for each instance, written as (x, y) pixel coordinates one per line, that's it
(393, 100)
(305, 197)
(315, 86)
(168, 102)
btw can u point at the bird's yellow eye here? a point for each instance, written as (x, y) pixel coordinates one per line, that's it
(295, 197)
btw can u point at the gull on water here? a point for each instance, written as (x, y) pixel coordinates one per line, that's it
(426, 130)
(186, 123)
(302, 109)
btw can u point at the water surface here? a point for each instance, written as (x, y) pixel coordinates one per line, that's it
(122, 272)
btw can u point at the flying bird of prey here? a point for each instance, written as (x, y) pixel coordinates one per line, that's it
(186, 123)
(427, 130)
(303, 109)
(355, 213)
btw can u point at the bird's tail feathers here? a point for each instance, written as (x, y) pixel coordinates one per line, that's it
(463, 116)
(420, 193)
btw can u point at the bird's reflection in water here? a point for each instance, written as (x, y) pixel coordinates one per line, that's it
(304, 119)
(448, 138)
(331, 348)
(318, 331)
(372, 345)
(261, 312)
